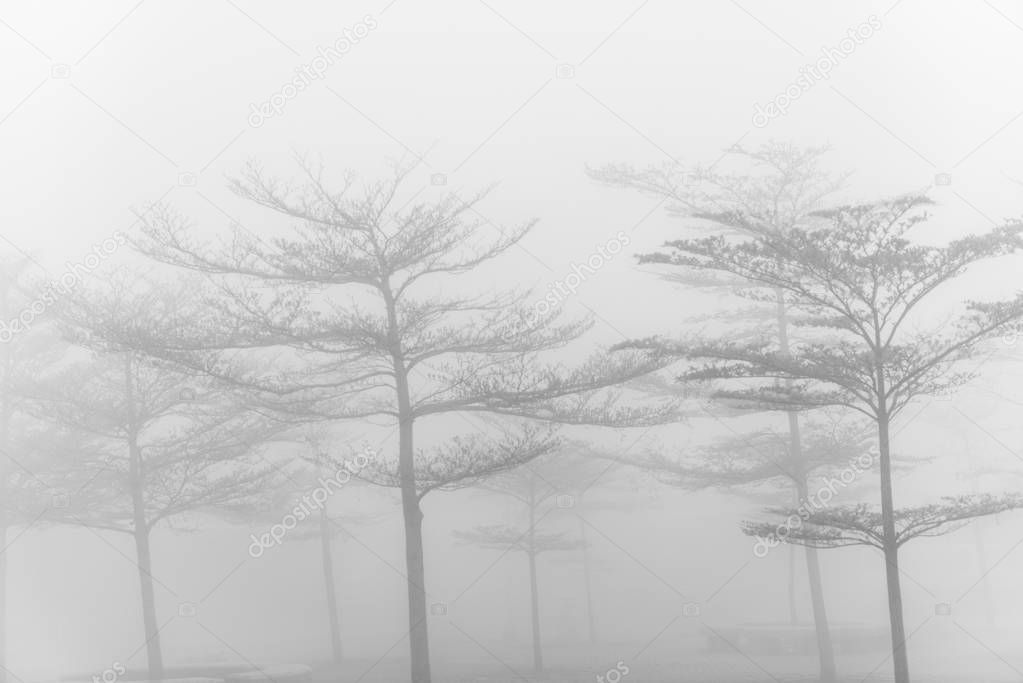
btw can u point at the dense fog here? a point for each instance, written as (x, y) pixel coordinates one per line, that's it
(477, 340)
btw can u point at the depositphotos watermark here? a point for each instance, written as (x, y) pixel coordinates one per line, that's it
(820, 70)
(315, 500)
(562, 289)
(111, 675)
(73, 274)
(325, 58)
(814, 502)
(615, 673)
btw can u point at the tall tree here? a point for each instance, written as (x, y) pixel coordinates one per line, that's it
(857, 286)
(779, 186)
(331, 526)
(302, 499)
(155, 441)
(589, 485)
(358, 289)
(28, 451)
(533, 487)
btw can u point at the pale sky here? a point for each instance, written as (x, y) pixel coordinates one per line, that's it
(108, 106)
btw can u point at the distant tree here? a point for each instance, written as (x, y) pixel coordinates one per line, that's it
(778, 187)
(862, 524)
(28, 450)
(856, 286)
(331, 526)
(762, 465)
(304, 492)
(155, 441)
(761, 458)
(529, 486)
(357, 294)
(592, 484)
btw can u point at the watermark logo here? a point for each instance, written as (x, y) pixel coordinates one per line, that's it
(814, 502)
(560, 290)
(811, 74)
(73, 274)
(615, 673)
(314, 501)
(111, 675)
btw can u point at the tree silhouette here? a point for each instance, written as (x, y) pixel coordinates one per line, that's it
(777, 187)
(530, 486)
(854, 286)
(154, 440)
(402, 348)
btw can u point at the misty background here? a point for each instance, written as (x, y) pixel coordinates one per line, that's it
(109, 106)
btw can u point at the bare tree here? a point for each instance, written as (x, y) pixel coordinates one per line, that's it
(331, 526)
(856, 286)
(779, 186)
(355, 298)
(295, 495)
(848, 525)
(155, 441)
(592, 482)
(533, 490)
(28, 451)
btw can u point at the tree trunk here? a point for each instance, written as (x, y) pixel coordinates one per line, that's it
(534, 603)
(154, 654)
(327, 551)
(418, 634)
(978, 541)
(793, 608)
(588, 585)
(534, 591)
(900, 659)
(825, 647)
(136, 480)
(419, 639)
(989, 603)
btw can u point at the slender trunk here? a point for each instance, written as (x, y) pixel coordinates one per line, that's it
(154, 654)
(591, 622)
(793, 610)
(136, 479)
(978, 542)
(900, 659)
(825, 647)
(327, 551)
(419, 640)
(511, 601)
(989, 604)
(534, 604)
(793, 550)
(820, 617)
(534, 592)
